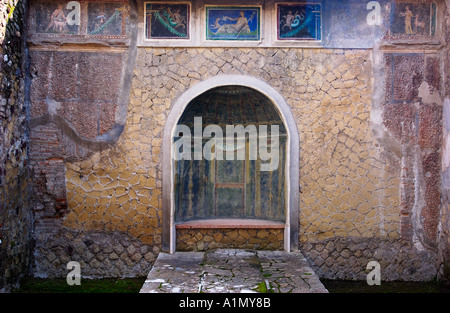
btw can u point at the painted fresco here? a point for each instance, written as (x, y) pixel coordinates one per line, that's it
(224, 188)
(299, 21)
(229, 189)
(52, 18)
(413, 19)
(233, 23)
(107, 19)
(66, 18)
(167, 20)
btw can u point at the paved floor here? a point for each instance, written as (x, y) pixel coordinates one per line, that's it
(232, 271)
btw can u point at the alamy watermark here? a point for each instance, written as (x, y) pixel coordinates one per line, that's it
(374, 276)
(74, 276)
(262, 145)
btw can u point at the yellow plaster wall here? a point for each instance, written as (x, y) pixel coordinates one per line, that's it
(349, 184)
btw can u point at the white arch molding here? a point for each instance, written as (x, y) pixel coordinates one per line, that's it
(291, 230)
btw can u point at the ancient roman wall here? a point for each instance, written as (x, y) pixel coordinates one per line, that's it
(78, 92)
(15, 216)
(369, 122)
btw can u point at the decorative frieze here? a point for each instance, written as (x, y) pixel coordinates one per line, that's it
(56, 20)
(167, 21)
(262, 23)
(272, 23)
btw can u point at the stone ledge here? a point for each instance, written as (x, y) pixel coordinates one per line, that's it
(230, 223)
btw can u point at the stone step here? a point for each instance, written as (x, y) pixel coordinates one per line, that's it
(232, 271)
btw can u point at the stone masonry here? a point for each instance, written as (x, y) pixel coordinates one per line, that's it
(342, 165)
(15, 217)
(205, 239)
(100, 254)
(82, 123)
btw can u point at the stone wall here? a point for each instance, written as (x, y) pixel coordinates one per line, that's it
(369, 122)
(350, 184)
(15, 218)
(208, 239)
(397, 191)
(100, 254)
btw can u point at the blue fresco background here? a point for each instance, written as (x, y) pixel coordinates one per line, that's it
(215, 13)
(306, 25)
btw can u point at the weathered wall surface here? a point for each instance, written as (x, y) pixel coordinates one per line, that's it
(370, 192)
(370, 131)
(406, 111)
(444, 238)
(15, 217)
(79, 89)
(350, 184)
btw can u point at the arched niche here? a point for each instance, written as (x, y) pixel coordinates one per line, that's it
(183, 111)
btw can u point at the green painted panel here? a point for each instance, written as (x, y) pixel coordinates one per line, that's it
(229, 202)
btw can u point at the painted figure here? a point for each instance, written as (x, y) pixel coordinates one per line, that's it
(233, 23)
(414, 19)
(288, 19)
(177, 18)
(167, 21)
(418, 24)
(58, 20)
(216, 25)
(304, 24)
(408, 14)
(99, 19)
(107, 19)
(240, 26)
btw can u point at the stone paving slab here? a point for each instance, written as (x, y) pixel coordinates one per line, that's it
(232, 271)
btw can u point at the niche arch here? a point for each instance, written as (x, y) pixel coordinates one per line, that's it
(291, 163)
